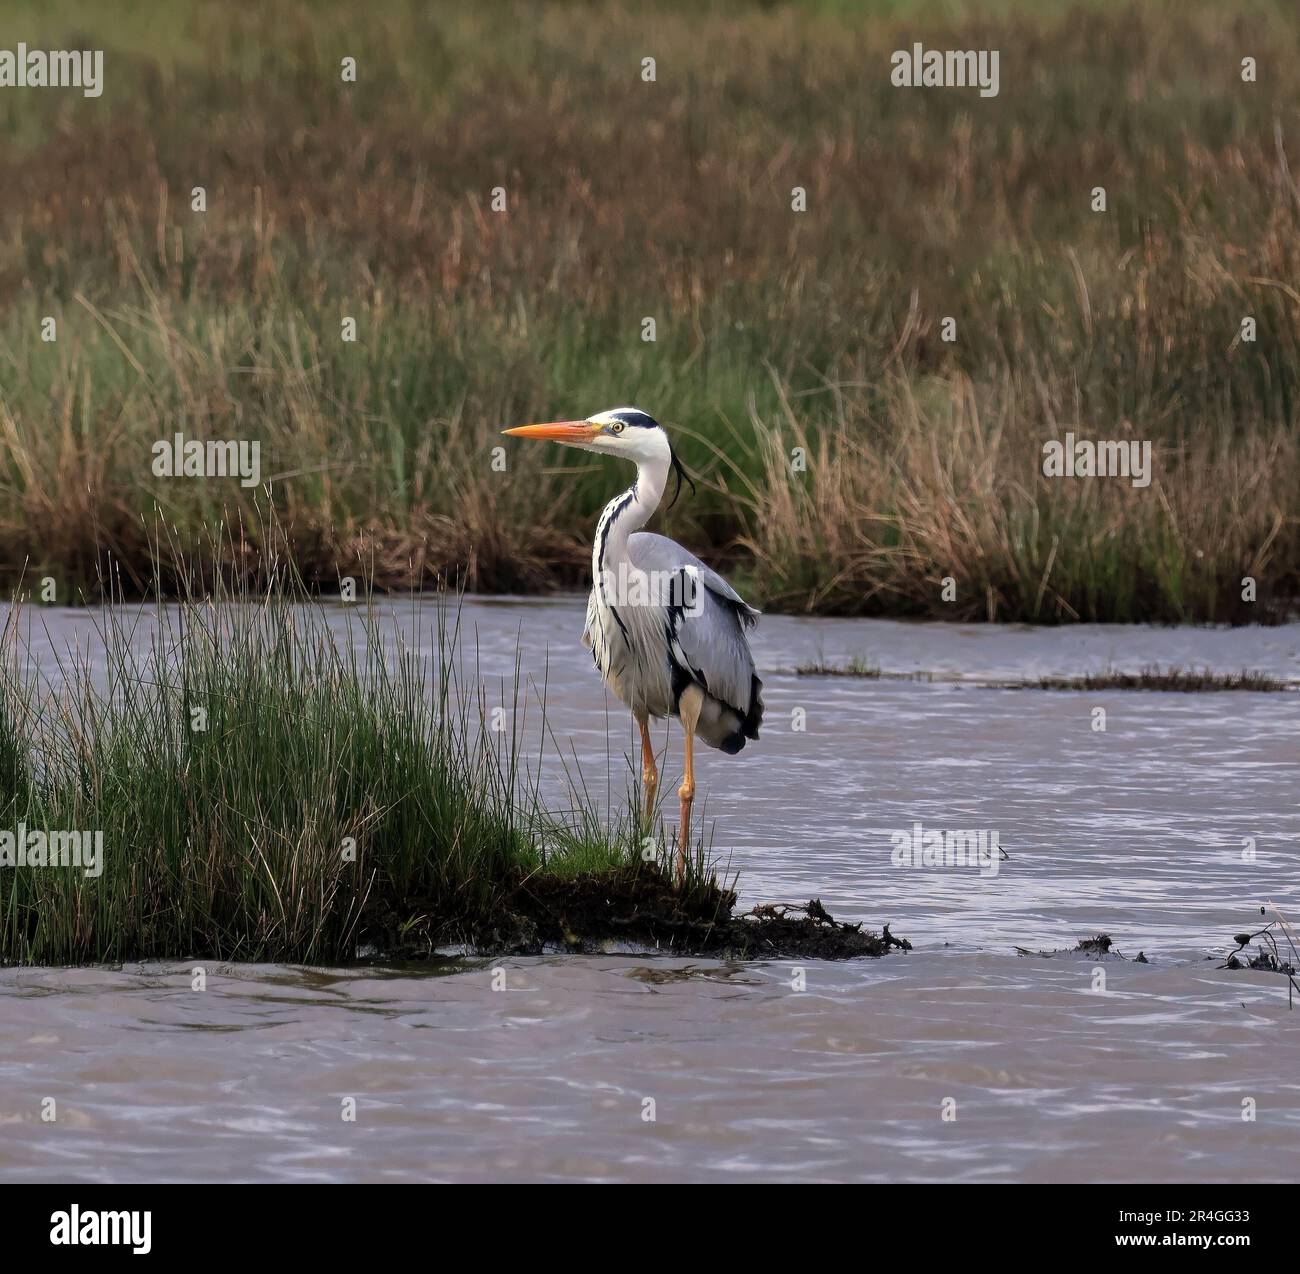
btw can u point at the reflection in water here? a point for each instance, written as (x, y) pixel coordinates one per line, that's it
(1137, 830)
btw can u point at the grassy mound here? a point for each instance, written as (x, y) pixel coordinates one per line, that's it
(270, 780)
(267, 779)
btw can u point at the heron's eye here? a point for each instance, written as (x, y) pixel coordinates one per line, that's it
(617, 427)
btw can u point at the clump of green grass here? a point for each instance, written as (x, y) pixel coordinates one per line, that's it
(857, 666)
(270, 789)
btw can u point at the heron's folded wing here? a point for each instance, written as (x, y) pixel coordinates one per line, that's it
(709, 637)
(651, 552)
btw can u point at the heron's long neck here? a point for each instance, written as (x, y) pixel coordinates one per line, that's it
(627, 513)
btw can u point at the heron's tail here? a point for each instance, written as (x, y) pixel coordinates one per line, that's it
(754, 717)
(722, 726)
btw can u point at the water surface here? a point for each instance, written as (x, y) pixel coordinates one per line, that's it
(1138, 830)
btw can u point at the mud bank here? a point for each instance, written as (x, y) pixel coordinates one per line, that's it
(639, 909)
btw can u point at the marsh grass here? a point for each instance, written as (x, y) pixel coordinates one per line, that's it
(856, 666)
(776, 331)
(1187, 680)
(231, 750)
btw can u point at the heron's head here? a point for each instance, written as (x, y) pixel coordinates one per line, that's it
(622, 431)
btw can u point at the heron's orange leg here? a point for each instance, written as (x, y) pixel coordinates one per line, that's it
(688, 709)
(649, 772)
(687, 794)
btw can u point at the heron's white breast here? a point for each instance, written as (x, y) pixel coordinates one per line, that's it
(630, 649)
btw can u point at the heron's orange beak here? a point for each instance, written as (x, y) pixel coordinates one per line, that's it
(560, 431)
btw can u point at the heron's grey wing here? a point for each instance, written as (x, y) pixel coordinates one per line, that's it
(651, 552)
(708, 635)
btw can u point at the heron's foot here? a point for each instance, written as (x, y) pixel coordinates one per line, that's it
(687, 795)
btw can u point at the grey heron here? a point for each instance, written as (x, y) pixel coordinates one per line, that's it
(666, 633)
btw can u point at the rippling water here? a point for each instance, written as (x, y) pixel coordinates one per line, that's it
(1137, 831)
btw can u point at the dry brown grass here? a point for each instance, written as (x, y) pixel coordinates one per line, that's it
(953, 488)
(671, 200)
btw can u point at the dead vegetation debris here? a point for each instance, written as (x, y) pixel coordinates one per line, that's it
(641, 908)
(1268, 957)
(1098, 946)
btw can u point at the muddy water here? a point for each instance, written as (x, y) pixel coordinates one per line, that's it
(1137, 830)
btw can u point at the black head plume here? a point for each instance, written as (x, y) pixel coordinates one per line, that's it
(680, 473)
